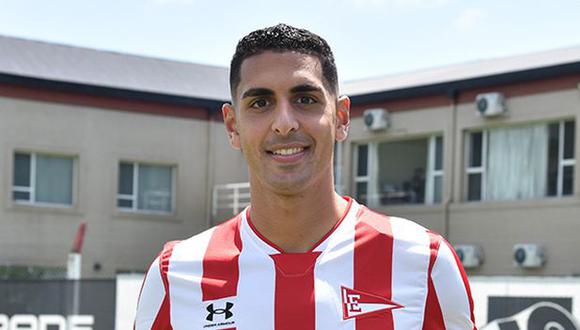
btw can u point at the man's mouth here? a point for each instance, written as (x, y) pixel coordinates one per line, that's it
(287, 151)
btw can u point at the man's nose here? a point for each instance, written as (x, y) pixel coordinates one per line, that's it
(284, 122)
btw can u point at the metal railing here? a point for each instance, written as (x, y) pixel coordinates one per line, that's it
(230, 197)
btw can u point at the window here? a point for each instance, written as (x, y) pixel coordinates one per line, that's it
(43, 179)
(399, 172)
(522, 162)
(144, 187)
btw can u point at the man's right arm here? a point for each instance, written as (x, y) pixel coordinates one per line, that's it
(153, 307)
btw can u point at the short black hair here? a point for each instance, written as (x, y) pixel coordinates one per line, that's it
(281, 38)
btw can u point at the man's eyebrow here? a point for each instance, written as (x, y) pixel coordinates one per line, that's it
(306, 88)
(257, 92)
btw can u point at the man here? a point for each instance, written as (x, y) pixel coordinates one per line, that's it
(301, 257)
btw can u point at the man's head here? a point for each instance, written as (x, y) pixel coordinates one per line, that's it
(286, 113)
(284, 38)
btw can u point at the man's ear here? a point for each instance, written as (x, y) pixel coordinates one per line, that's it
(229, 116)
(342, 117)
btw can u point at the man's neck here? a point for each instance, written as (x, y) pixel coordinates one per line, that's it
(295, 223)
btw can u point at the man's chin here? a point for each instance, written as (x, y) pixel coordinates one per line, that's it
(288, 186)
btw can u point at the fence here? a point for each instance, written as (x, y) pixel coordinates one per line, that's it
(230, 199)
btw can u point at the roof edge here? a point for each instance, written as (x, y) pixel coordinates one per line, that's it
(113, 92)
(452, 87)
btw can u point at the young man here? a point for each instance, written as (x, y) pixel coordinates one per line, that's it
(301, 257)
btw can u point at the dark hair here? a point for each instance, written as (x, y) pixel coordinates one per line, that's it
(281, 38)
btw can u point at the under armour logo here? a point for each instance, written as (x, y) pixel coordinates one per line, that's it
(212, 311)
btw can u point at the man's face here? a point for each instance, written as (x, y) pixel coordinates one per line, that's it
(285, 121)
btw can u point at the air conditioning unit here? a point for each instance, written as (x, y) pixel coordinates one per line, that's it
(376, 119)
(471, 256)
(529, 255)
(490, 104)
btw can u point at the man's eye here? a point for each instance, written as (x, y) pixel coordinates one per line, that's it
(306, 100)
(259, 103)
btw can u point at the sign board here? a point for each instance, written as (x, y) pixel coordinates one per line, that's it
(49, 305)
(526, 303)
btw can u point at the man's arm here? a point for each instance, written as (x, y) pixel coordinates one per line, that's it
(151, 312)
(449, 303)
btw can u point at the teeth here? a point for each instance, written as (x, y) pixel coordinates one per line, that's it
(286, 152)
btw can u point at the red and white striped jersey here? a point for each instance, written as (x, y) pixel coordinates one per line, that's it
(370, 272)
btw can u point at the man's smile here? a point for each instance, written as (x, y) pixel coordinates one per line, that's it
(288, 153)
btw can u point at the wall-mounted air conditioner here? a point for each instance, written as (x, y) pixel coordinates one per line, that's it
(471, 256)
(490, 104)
(529, 255)
(376, 119)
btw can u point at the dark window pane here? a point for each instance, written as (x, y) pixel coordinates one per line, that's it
(438, 189)
(569, 129)
(475, 149)
(439, 153)
(552, 189)
(401, 177)
(21, 170)
(125, 179)
(363, 151)
(21, 195)
(361, 192)
(568, 184)
(124, 203)
(474, 187)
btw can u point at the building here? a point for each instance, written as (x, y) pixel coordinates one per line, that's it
(480, 178)
(135, 147)
(130, 145)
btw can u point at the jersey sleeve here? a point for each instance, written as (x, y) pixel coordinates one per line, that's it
(150, 307)
(449, 301)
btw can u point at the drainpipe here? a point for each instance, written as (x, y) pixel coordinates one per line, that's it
(452, 94)
(209, 178)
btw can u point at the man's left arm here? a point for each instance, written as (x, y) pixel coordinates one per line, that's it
(449, 301)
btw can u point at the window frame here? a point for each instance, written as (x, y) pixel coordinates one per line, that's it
(372, 173)
(433, 173)
(562, 162)
(31, 190)
(135, 188)
(481, 169)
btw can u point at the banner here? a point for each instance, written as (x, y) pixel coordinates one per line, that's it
(526, 303)
(57, 304)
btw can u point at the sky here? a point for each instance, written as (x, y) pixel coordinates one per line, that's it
(369, 37)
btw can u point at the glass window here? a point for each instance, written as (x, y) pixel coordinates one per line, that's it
(362, 166)
(126, 178)
(438, 153)
(361, 192)
(476, 149)
(400, 172)
(521, 162)
(568, 180)
(54, 176)
(42, 178)
(474, 192)
(22, 170)
(438, 190)
(402, 166)
(145, 187)
(569, 140)
(552, 172)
